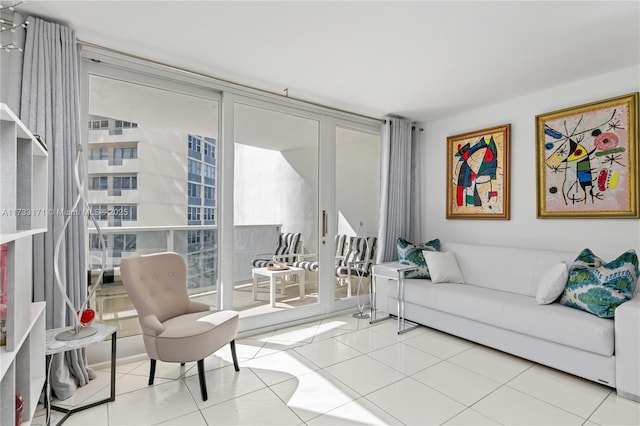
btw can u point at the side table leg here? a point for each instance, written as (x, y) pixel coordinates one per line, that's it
(272, 290)
(255, 287)
(301, 285)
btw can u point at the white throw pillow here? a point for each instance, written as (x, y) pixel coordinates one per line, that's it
(443, 267)
(552, 284)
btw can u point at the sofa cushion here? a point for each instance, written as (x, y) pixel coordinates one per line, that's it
(519, 313)
(552, 284)
(560, 324)
(598, 287)
(443, 267)
(411, 254)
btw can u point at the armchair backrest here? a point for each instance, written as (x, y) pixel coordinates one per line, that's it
(288, 244)
(156, 284)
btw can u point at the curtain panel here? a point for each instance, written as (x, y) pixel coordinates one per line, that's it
(400, 186)
(49, 107)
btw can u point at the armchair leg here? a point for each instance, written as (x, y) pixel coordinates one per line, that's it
(152, 371)
(233, 354)
(201, 378)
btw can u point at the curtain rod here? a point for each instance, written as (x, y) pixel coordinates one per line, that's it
(389, 122)
(199, 74)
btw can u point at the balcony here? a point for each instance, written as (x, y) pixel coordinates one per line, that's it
(112, 302)
(114, 135)
(126, 165)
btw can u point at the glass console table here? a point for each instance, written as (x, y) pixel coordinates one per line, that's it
(393, 271)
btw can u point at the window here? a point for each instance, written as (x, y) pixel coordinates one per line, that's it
(125, 212)
(125, 153)
(193, 237)
(194, 168)
(194, 190)
(194, 143)
(98, 211)
(209, 172)
(99, 154)
(99, 183)
(208, 214)
(125, 242)
(94, 242)
(208, 192)
(125, 182)
(209, 149)
(193, 214)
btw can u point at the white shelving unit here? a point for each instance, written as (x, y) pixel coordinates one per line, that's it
(23, 213)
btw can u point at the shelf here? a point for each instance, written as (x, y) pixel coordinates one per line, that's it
(23, 214)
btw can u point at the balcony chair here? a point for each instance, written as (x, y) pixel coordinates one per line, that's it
(175, 328)
(287, 251)
(353, 259)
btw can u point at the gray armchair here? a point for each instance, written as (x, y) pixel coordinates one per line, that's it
(175, 328)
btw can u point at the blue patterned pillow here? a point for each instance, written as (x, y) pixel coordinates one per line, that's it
(598, 287)
(411, 254)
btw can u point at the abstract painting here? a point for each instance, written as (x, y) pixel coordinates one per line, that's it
(587, 160)
(478, 174)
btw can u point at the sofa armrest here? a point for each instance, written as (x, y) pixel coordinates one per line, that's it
(627, 348)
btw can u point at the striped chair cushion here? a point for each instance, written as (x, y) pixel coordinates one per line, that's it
(288, 244)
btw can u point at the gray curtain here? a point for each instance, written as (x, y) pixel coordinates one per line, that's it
(49, 107)
(400, 186)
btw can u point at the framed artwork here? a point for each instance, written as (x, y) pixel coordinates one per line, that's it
(478, 174)
(587, 164)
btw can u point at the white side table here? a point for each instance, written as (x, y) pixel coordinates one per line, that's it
(53, 347)
(393, 271)
(273, 276)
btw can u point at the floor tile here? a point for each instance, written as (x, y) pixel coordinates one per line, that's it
(193, 419)
(152, 405)
(438, 344)
(366, 340)
(280, 366)
(511, 407)
(493, 364)
(413, 403)
(390, 329)
(132, 382)
(470, 417)
(356, 413)
(166, 370)
(313, 394)
(578, 396)
(261, 407)
(616, 410)
(327, 352)
(457, 382)
(96, 417)
(364, 374)
(224, 384)
(89, 392)
(404, 358)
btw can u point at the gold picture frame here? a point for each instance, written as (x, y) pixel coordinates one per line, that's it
(586, 160)
(478, 174)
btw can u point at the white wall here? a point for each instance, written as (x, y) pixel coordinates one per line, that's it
(524, 229)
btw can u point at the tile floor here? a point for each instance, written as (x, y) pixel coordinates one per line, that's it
(344, 371)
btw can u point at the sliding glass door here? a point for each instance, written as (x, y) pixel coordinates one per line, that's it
(275, 193)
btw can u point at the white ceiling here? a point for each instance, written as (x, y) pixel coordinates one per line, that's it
(421, 59)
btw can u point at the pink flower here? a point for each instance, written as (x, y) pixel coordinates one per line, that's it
(606, 141)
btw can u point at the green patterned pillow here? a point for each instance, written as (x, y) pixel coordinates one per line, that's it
(411, 254)
(598, 287)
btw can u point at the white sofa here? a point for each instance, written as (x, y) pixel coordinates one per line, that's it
(497, 307)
